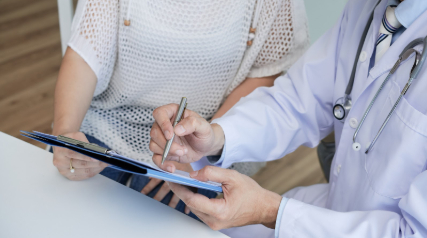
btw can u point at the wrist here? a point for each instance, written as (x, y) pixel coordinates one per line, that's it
(270, 209)
(61, 130)
(65, 123)
(218, 140)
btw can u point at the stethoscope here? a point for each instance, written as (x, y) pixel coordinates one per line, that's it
(343, 105)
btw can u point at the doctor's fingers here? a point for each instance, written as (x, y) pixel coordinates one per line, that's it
(193, 124)
(80, 174)
(196, 201)
(165, 114)
(167, 165)
(175, 150)
(216, 174)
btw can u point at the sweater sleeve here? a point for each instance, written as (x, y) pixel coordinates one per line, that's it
(94, 34)
(287, 39)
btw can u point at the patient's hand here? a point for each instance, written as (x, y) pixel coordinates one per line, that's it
(164, 190)
(84, 167)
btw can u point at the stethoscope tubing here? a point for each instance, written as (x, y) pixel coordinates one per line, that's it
(403, 56)
(369, 107)
(407, 51)
(418, 63)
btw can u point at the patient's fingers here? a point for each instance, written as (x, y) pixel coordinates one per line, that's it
(174, 201)
(76, 163)
(80, 174)
(150, 185)
(163, 191)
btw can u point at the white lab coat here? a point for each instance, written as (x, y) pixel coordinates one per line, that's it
(379, 194)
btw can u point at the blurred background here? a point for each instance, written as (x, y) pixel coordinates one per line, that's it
(30, 57)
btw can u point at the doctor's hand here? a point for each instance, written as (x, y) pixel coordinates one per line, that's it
(164, 189)
(244, 202)
(194, 137)
(84, 167)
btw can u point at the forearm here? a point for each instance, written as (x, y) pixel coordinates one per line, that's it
(244, 89)
(73, 93)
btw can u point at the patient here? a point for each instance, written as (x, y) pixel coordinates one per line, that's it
(126, 58)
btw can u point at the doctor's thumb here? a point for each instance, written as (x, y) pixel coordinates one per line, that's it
(212, 173)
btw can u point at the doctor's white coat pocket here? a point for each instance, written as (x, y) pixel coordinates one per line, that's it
(400, 153)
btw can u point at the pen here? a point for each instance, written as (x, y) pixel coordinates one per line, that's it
(178, 118)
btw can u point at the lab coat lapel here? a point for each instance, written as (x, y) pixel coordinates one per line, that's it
(384, 65)
(361, 78)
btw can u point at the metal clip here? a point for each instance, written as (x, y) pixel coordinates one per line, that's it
(82, 144)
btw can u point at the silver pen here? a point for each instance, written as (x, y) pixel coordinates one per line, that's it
(178, 118)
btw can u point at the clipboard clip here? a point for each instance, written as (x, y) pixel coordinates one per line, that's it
(89, 146)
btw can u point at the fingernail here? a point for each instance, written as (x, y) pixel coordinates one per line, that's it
(167, 134)
(185, 150)
(179, 152)
(179, 130)
(169, 169)
(194, 173)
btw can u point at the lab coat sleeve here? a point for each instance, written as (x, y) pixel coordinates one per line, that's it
(297, 110)
(303, 220)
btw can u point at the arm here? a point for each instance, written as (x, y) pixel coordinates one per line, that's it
(85, 71)
(244, 89)
(73, 93)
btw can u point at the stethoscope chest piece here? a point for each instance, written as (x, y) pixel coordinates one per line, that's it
(341, 108)
(356, 146)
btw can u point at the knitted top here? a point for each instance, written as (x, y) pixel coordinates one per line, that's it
(171, 49)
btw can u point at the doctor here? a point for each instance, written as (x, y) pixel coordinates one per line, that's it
(379, 193)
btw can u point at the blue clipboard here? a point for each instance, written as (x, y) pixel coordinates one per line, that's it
(121, 162)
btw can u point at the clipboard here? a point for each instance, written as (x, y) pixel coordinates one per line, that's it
(121, 162)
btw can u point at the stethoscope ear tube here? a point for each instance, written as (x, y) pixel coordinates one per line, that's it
(359, 49)
(346, 104)
(420, 64)
(412, 44)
